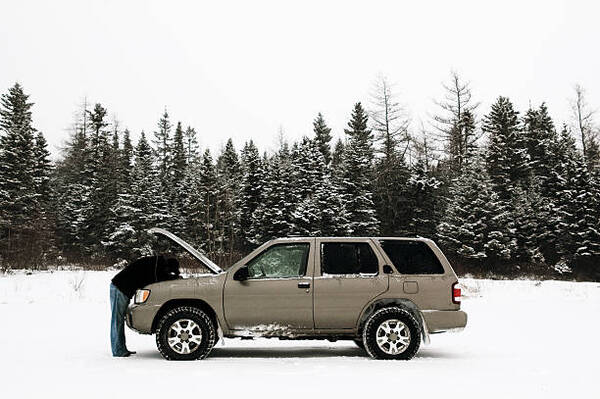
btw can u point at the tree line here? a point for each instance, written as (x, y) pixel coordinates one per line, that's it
(505, 192)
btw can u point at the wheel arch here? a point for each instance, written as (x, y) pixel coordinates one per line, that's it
(403, 303)
(175, 303)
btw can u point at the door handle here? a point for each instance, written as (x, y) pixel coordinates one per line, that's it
(304, 284)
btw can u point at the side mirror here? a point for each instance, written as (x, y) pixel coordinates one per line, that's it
(387, 269)
(241, 274)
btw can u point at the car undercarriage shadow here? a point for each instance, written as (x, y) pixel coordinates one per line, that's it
(285, 352)
(304, 352)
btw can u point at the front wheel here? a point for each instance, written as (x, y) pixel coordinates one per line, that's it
(185, 333)
(392, 333)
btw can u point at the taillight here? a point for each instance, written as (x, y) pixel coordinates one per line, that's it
(456, 293)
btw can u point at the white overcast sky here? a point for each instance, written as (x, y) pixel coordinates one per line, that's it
(242, 69)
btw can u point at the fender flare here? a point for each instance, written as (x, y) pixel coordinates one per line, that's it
(404, 303)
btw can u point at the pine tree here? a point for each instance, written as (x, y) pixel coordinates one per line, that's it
(337, 156)
(539, 135)
(204, 213)
(191, 144)
(177, 172)
(162, 143)
(229, 189)
(252, 186)
(357, 188)
(23, 164)
(477, 224)
(273, 215)
(422, 201)
(72, 184)
(17, 160)
(507, 159)
(127, 154)
(135, 209)
(147, 205)
(104, 171)
(323, 137)
(179, 156)
(318, 210)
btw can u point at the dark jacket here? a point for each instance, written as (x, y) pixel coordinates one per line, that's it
(144, 271)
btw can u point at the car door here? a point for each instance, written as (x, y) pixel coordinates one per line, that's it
(277, 296)
(348, 275)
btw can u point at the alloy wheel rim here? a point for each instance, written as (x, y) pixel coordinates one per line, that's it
(184, 336)
(393, 336)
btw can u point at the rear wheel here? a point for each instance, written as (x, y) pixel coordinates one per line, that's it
(359, 343)
(185, 333)
(392, 333)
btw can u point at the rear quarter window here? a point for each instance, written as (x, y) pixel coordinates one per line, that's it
(412, 257)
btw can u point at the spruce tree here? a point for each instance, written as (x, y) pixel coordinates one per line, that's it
(357, 176)
(191, 144)
(162, 144)
(176, 181)
(323, 137)
(477, 225)
(229, 189)
(72, 185)
(337, 156)
(273, 215)
(422, 201)
(23, 180)
(17, 161)
(318, 210)
(507, 160)
(253, 183)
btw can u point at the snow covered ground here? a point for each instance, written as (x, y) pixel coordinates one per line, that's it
(524, 339)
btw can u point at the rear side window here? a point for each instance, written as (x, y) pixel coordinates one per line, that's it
(412, 257)
(348, 258)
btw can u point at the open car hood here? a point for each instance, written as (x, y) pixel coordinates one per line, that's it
(195, 253)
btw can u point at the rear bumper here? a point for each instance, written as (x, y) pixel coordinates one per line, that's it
(444, 320)
(140, 317)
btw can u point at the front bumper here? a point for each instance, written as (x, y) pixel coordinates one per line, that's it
(444, 320)
(140, 317)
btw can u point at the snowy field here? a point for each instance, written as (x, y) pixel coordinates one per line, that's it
(524, 339)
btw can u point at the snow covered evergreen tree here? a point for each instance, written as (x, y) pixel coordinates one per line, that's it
(273, 215)
(506, 156)
(337, 156)
(162, 143)
(177, 170)
(318, 206)
(190, 144)
(253, 182)
(17, 162)
(477, 226)
(24, 188)
(422, 201)
(323, 137)
(357, 176)
(142, 209)
(229, 190)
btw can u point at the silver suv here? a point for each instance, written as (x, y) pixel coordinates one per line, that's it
(385, 294)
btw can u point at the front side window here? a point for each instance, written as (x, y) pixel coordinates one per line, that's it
(412, 257)
(280, 261)
(348, 258)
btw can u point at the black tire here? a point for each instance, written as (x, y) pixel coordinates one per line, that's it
(359, 343)
(383, 315)
(204, 323)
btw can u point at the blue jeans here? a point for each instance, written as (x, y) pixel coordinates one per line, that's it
(118, 307)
